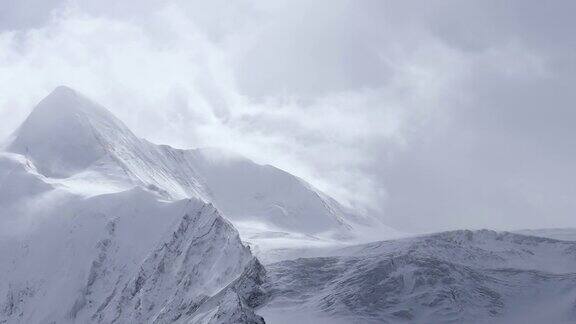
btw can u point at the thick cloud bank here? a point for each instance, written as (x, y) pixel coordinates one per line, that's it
(437, 115)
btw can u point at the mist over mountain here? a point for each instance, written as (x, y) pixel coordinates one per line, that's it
(328, 161)
(436, 116)
(67, 137)
(100, 226)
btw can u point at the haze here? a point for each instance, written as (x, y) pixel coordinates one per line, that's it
(434, 115)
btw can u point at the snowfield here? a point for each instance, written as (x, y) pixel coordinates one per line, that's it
(100, 226)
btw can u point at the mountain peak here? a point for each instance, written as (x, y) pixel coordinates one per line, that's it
(64, 100)
(65, 132)
(63, 90)
(63, 94)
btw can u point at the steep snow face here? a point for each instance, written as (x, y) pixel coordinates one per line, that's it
(452, 277)
(18, 179)
(68, 136)
(246, 191)
(78, 145)
(126, 258)
(67, 133)
(101, 211)
(123, 257)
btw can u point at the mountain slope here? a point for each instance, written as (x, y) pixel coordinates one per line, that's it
(97, 225)
(69, 136)
(82, 146)
(452, 277)
(87, 234)
(123, 257)
(247, 191)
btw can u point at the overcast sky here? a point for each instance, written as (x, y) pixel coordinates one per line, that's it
(434, 114)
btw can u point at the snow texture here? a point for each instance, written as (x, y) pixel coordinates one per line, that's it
(125, 258)
(97, 225)
(453, 277)
(100, 226)
(84, 147)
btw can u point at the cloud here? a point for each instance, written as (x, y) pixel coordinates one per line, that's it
(149, 70)
(436, 115)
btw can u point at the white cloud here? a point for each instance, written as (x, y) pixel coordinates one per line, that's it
(337, 93)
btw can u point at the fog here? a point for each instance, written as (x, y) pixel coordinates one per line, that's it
(434, 115)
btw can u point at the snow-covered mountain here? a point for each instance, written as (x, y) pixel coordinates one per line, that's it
(100, 226)
(452, 277)
(82, 146)
(124, 257)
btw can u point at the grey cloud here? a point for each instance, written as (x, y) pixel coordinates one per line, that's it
(505, 158)
(436, 114)
(23, 14)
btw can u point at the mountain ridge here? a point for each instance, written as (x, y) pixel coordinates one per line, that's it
(69, 137)
(461, 276)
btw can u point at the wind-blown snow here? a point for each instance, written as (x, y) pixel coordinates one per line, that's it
(88, 235)
(83, 147)
(123, 257)
(98, 225)
(67, 135)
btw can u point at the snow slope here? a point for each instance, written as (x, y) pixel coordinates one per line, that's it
(453, 277)
(123, 257)
(67, 136)
(93, 228)
(100, 226)
(97, 225)
(80, 145)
